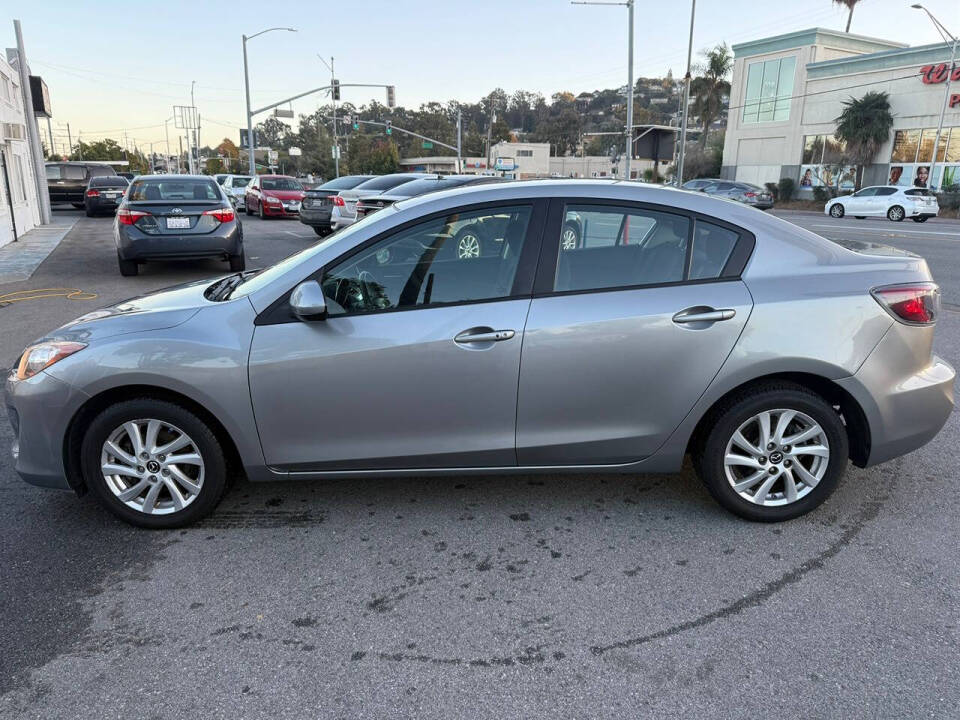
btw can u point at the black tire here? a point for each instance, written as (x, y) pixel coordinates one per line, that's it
(708, 457)
(246, 208)
(860, 217)
(238, 262)
(128, 268)
(921, 219)
(837, 210)
(214, 459)
(260, 211)
(90, 213)
(78, 206)
(896, 213)
(322, 232)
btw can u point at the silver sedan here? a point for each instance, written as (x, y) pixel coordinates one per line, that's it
(670, 323)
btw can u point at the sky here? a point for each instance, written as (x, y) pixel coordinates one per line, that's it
(110, 73)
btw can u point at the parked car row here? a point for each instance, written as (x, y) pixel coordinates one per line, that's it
(743, 192)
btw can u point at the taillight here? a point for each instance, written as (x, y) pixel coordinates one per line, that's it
(336, 200)
(93, 193)
(130, 217)
(913, 303)
(750, 194)
(222, 214)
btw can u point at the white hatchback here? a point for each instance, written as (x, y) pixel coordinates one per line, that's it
(895, 203)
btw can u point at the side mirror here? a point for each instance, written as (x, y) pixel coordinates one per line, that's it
(307, 301)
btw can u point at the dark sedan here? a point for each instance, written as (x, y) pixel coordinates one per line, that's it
(419, 187)
(104, 194)
(318, 202)
(166, 217)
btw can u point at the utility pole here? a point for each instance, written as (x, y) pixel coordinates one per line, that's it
(50, 135)
(180, 138)
(493, 119)
(33, 133)
(459, 140)
(193, 113)
(686, 97)
(69, 141)
(946, 90)
(333, 97)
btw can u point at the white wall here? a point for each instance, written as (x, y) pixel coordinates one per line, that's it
(19, 165)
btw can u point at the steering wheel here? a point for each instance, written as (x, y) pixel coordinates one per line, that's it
(372, 291)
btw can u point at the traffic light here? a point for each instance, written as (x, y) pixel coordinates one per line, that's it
(391, 96)
(389, 127)
(356, 121)
(336, 89)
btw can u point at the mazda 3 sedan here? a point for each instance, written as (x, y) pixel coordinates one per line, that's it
(677, 324)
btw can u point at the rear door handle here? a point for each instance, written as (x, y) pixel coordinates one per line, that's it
(688, 316)
(470, 336)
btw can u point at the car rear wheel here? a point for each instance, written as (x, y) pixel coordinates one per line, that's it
(836, 210)
(321, 231)
(238, 262)
(128, 268)
(90, 213)
(78, 206)
(921, 218)
(153, 463)
(773, 453)
(895, 213)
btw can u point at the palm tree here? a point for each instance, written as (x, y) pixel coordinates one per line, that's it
(711, 87)
(849, 4)
(863, 126)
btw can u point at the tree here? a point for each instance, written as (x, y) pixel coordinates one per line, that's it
(271, 133)
(711, 87)
(849, 4)
(863, 126)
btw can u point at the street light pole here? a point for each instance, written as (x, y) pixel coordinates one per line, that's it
(246, 85)
(946, 90)
(629, 128)
(686, 98)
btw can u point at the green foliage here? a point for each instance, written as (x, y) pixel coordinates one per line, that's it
(710, 87)
(773, 190)
(864, 125)
(786, 188)
(820, 193)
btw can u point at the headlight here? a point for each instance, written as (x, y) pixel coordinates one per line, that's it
(39, 357)
(271, 199)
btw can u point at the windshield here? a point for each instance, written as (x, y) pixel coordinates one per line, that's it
(280, 184)
(240, 181)
(163, 189)
(266, 276)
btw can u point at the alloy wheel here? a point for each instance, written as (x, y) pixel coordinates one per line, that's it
(895, 213)
(152, 466)
(836, 210)
(776, 457)
(468, 247)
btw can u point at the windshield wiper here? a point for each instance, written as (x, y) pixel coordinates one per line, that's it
(222, 289)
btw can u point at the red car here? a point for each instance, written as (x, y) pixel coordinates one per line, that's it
(273, 196)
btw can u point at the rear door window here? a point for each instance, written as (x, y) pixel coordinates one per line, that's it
(712, 247)
(54, 172)
(885, 191)
(74, 172)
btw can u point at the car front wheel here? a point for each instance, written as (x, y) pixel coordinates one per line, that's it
(153, 463)
(895, 213)
(836, 210)
(920, 218)
(773, 453)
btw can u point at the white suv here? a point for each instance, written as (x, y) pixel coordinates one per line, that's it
(235, 186)
(896, 203)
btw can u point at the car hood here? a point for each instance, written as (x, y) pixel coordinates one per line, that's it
(155, 311)
(284, 194)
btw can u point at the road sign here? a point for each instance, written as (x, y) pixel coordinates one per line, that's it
(391, 96)
(335, 152)
(185, 117)
(281, 113)
(295, 152)
(272, 157)
(243, 138)
(505, 163)
(336, 89)
(426, 144)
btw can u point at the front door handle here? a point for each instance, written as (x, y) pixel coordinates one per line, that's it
(696, 315)
(474, 336)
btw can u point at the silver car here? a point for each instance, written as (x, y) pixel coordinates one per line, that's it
(745, 193)
(343, 212)
(677, 324)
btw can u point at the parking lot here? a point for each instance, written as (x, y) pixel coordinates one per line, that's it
(566, 596)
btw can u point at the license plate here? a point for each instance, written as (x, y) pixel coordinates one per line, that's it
(292, 206)
(112, 196)
(177, 223)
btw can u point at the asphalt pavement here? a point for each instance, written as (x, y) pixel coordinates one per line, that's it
(566, 596)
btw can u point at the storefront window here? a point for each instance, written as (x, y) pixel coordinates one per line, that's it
(905, 143)
(953, 147)
(833, 149)
(926, 145)
(813, 149)
(769, 88)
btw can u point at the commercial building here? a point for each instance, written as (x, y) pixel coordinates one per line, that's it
(19, 187)
(788, 90)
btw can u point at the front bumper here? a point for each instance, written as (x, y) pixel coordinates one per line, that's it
(905, 407)
(39, 410)
(271, 210)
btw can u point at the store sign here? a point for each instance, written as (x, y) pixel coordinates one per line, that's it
(934, 74)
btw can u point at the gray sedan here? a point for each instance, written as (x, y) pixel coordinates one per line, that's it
(677, 324)
(746, 193)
